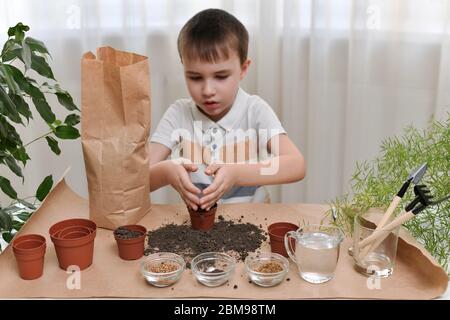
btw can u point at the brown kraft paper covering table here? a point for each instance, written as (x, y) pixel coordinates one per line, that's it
(416, 275)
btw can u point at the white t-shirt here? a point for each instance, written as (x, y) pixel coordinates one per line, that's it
(241, 136)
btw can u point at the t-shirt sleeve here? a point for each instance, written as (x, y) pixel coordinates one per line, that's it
(170, 121)
(267, 125)
(266, 120)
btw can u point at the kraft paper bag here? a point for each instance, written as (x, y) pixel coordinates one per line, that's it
(115, 94)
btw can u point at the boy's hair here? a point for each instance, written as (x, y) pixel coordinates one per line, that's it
(210, 34)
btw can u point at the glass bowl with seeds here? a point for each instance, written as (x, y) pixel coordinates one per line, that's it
(162, 269)
(266, 269)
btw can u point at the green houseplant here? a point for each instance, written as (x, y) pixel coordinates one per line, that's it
(23, 67)
(374, 184)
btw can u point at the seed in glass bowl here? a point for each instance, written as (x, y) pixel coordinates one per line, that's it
(163, 267)
(269, 267)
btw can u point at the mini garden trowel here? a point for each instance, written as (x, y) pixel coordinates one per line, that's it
(423, 199)
(414, 177)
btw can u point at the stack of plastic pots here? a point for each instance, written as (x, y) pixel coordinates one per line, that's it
(29, 251)
(74, 242)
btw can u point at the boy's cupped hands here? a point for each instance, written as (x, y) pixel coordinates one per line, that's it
(224, 179)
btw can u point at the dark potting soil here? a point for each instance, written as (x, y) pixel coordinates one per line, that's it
(237, 239)
(124, 233)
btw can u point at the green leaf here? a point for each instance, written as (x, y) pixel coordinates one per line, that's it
(18, 31)
(5, 220)
(44, 188)
(12, 85)
(27, 204)
(41, 104)
(53, 144)
(12, 138)
(21, 155)
(24, 216)
(9, 44)
(26, 55)
(31, 80)
(3, 127)
(72, 119)
(22, 106)
(22, 82)
(7, 236)
(17, 225)
(12, 165)
(9, 107)
(6, 187)
(14, 52)
(66, 132)
(65, 100)
(41, 66)
(36, 45)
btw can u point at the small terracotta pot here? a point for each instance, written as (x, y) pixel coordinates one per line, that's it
(29, 243)
(203, 220)
(70, 223)
(131, 249)
(75, 235)
(76, 248)
(82, 230)
(29, 251)
(276, 233)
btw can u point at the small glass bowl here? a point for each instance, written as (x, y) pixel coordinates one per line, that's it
(162, 279)
(213, 268)
(254, 261)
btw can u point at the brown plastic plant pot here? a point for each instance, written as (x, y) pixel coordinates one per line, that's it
(276, 233)
(133, 248)
(30, 265)
(29, 246)
(62, 234)
(69, 223)
(202, 219)
(74, 235)
(29, 243)
(78, 251)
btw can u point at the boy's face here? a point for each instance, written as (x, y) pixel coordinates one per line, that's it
(213, 86)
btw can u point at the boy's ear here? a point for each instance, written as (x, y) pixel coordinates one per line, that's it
(244, 68)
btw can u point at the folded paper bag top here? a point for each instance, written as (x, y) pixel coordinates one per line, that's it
(115, 98)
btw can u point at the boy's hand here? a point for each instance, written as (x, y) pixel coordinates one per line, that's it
(224, 180)
(178, 177)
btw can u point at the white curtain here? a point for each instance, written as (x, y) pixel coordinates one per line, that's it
(342, 75)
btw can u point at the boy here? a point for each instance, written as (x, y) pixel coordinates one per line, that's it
(213, 50)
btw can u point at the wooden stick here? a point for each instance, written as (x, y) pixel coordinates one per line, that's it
(391, 226)
(383, 221)
(389, 212)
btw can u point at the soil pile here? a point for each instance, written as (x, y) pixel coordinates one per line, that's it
(236, 239)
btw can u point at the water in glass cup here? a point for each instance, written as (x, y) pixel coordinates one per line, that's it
(316, 252)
